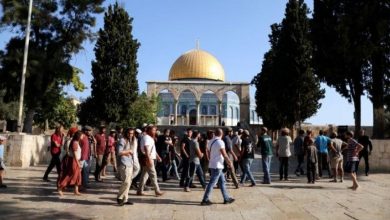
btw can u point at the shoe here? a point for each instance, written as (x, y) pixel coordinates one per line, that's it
(297, 173)
(3, 186)
(367, 174)
(158, 194)
(120, 202)
(265, 183)
(333, 181)
(140, 194)
(206, 202)
(237, 186)
(252, 185)
(229, 201)
(193, 186)
(341, 180)
(187, 189)
(286, 179)
(45, 179)
(129, 203)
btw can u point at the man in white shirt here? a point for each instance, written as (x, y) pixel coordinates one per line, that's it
(149, 154)
(217, 152)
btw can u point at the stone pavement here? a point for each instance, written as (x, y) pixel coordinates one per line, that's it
(27, 197)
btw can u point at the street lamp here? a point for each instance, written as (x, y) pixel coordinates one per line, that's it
(22, 84)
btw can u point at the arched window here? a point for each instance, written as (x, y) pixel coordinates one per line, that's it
(183, 110)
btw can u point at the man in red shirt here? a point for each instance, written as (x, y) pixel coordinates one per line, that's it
(86, 144)
(100, 149)
(56, 142)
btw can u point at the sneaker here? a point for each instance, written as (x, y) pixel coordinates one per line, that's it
(229, 201)
(333, 181)
(45, 179)
(129, 203)
(265, 182)
(186, 189)
(3, 186)
(193, 186)
(206, 202)
(341, 180)
(252, 185)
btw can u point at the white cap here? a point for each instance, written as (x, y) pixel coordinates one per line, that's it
(2, 138)
(138, 131)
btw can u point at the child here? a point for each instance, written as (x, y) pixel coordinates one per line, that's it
(312, 161)
(2, 165)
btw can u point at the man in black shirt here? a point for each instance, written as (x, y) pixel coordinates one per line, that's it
(366, 142)
(185, 155)
(162, 148)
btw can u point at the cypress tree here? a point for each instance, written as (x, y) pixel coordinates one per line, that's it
(292, 90)
(114, 84)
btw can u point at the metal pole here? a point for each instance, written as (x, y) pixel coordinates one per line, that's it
(26, 43)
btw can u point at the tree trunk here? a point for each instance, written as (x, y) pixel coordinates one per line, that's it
(357, 103)
(377, 93)
(28, 121)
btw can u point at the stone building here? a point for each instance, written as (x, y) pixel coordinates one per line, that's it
(196, 93)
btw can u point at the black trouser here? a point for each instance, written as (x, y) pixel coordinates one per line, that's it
(283, 168)
(185, 172)
(364, 154)
(311, 172)
(300, 158)
(323, 163)
(55, 161)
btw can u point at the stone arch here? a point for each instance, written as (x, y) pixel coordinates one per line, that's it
(232, 104)
(186, 103)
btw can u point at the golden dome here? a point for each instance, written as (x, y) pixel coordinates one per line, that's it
(197, 64)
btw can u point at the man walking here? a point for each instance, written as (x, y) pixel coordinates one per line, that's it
(86, 144)
(321, 143)
(336, 156)
(353, 150)
(56, 142)
(367, 149)
(216, 149)
(229, 150)
(100, 149)
(299, 152)
(185, 155)
(148, 150)
(265, 145)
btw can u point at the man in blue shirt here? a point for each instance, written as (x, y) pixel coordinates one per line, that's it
(322, 143)
(2, 166)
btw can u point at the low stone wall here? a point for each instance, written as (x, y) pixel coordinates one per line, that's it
(23, 150)
(380, 156)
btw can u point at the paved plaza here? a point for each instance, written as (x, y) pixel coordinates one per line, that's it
(28, 197)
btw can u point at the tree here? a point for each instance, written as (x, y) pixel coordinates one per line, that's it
(288, 65)
(64, 113)
(58, 29)
(143, 110)
(341, 48)
(114, 84)
(377, 16)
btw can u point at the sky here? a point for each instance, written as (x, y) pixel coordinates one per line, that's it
(235, 32)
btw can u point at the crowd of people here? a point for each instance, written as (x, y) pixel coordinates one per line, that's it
(140, 156)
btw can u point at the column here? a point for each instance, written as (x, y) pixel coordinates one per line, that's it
(176, 102)
(219, 112)
(198, 113)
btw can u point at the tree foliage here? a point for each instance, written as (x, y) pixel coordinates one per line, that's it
(58, 29)
(64, 113)
(287, 90)
(114, 84)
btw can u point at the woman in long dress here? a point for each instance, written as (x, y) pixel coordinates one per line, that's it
(71, 169)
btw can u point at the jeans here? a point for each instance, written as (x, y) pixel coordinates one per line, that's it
(323, 163)
(311, 172)
(283, 168)
(300, 159)
(216, 176)
(55, 161)
(184, 172)
(85, 172)
(199, 172)
(266, 161)
(246, 164)
(364, 154)
(175, 169)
